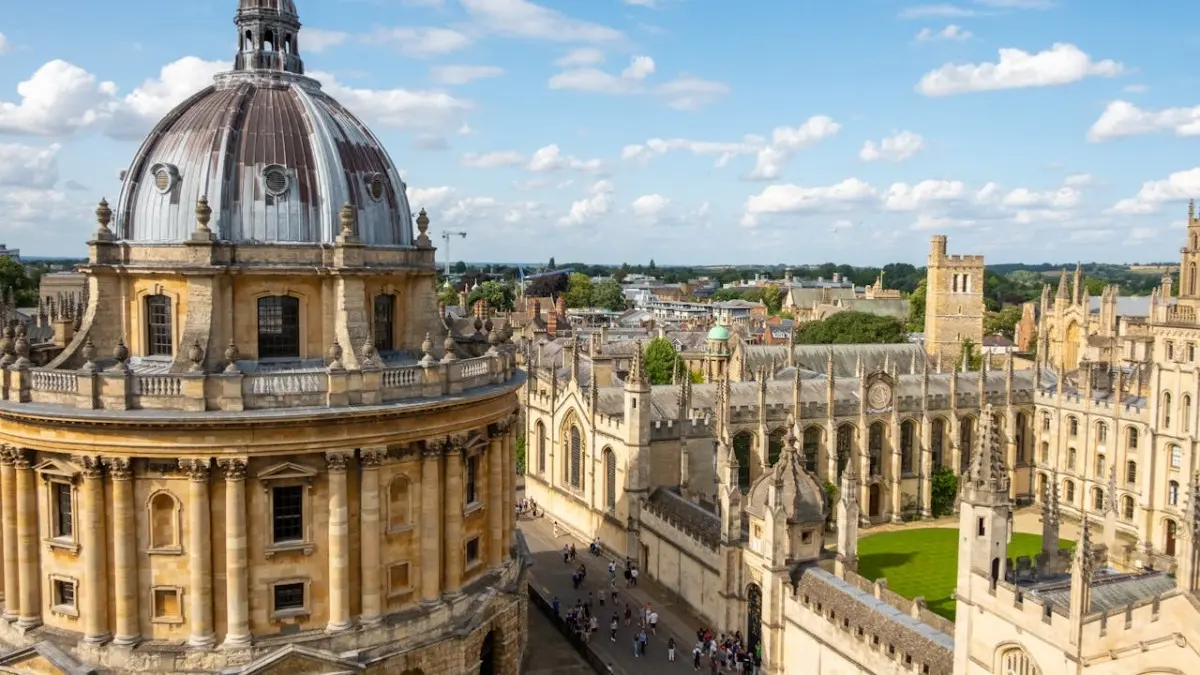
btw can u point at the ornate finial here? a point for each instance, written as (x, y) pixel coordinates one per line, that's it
(231, 357)
(335, 356)
(349, 218)
(423, 228)
(89, 353)
(1083, 550)
(196, 356)
(103, 218)
(8, 345)
(368, 349)
(121, 354)
(1112, 490)
(448, 347)
(1191, 210)
(203, 216)
(478, 325)
(427, 347)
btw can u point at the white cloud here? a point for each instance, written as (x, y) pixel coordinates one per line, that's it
(1140, 235)
(465, 130)
(640, 67)
(491, 160)
(1061, 64)
(650, 207)
(583, 56)
(1079, 180)
(419, 42)
(452, 75)
(150, 102)
(594, 205)
(58, 99)
(403, 108)
(523, 19)
(1122, 118)
(896, 148)
(923, 11)
(316, 40)
(1062, 198)
(4, 47)
(1153, 194)
(682, 93)
(951, 33)
(775, 199)
(430, 198)
(28, 167)
(690, 93)
(550, 158)
(1135, 89)
(927, 193)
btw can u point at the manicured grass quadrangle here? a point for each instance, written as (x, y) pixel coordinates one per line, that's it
(923, 562)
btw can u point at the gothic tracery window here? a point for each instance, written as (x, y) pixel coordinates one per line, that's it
(1017, 662)
(610, 479)
(575, 464)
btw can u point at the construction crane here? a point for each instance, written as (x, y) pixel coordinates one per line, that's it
(446, 234)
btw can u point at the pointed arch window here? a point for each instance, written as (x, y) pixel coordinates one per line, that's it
(610, 479)
(1131, 438)
(1192, 277)
(775, 447)
(1166, 410)
(966, 439)
(1097, 499)
(1101, 432)
(1127, 507)
(575, 463)
(541, 448)
(1022, 437)
(1017, 662)
(1187, 412)
(741, 451)
(907, 433)
(160, 334)
(812, 445)
(1073, 426)
(937, 440)
(875, 448)
(1130, 472)
(1173, 493)
(1069, 492)
(1176, 457)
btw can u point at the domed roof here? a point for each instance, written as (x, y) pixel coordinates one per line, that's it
(799, 493)
(718, 332)
(276, 157)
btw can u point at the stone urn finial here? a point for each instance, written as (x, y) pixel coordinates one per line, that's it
(7, 345)
(478, 325)
(203, 217)
(103, 218)
(89, 354)
(335, 356)
(231, 357)
(349, 218)
(196, 356)
(427, 349)
(423, 228)
(121, 354)
(448, 347)
(368, 349)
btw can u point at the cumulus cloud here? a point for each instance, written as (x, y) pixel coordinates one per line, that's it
(452, 75)
(419, 42)
(1079, 180)
(550, 158)
(28, 167)
(682, 93)
(650, 207)
(896, 148)
(951, 33)
(1122, 118)
(316, 40)
(1016, 69)
(797, 199)
(640, 67)
(491, 160)
(583, 56)
(1153, 194)
(593, 206)
(523, 19)
(401, 108)
(58, 99)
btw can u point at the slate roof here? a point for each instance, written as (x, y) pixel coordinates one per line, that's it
(814, 358)
(688, 516)
(1109, 591)
(897, 308)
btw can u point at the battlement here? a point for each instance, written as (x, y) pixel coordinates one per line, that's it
(962, 260)
(915, 607)
(1135, 406)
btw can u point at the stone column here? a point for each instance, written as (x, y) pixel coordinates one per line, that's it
(93, 546)
(926, 467)
(237, 597)
(8, 532)
(509, 468)
(496, 519)
(370, 535)
(339, 543)
(29, 578)
(199, 553)
(125, 561)
(431, 526)
(452, 511)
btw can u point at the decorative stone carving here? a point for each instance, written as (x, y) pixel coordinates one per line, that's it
(436, 446)
(119, 468)
(203, 216)
(234, 468)
(423, 228)
(121, 354)
(336, 461)
(7, 345)
(231, 357)
(196, 469)
(196, 356)
(89, 354)
(92, 466)
(7, 454)
(371, 458)
(335, 357)
(103, 218)
(458, 442)
(21, 457)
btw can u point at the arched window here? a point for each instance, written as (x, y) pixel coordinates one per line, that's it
(966, 440)
(1101, 466)
(399, 504)
(575, 465)
(1187, 412)
(812, 448)
(937, 440)
(1045, 421)
(1132, 438)
(160, 335)
(1173, 493)
(1176, 457)
(1192, 277)
(845, 436)
(875, 447)
(741, 450)
(1130, 472)
(541, 447)
(164, 523)
(1069, 492)
(278, 327)
(1071, 455)
(385, 316)
(1098, 499)
(1166, 410)
(908, 430)
(1073, 426)
(1045, 452)
(1127, 507)
(610, 479)
(1015, 661)
(1022, 437)
(1101, 432)
(775, 446)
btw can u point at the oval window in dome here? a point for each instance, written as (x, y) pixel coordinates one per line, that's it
(165, 177)
(275, 180)
(375, 185)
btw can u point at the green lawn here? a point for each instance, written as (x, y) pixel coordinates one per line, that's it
(923, 562)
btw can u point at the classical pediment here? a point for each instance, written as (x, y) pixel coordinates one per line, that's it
(58, 467)
(297, 660)
(287, 471)
(41, 659)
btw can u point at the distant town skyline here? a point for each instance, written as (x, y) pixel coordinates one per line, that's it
(692, 132)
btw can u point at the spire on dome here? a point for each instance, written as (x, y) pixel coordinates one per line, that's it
(268, 37)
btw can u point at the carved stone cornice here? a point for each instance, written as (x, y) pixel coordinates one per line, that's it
(22, 458)
(497, 430)
(234, 468)
(197, 470)
(336, 461)
(92, 467)
(371, 458)
(435, 447)
(458, 442)
(119, 468)
(7, 455)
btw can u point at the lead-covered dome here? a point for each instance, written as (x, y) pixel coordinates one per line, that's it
(791, 486)
(276, 156)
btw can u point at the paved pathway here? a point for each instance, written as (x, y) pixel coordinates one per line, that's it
(553, 578)
(549, 652)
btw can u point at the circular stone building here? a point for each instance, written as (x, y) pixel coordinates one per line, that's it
(261, 448)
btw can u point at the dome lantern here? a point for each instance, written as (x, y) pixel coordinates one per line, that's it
(267, 36)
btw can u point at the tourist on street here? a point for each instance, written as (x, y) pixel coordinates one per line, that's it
(612, 628)
(644, 640)
(696, 651)
(566, 554)
(556, 529)
(554, 605)
(628, 614)
(671, 649)
(612, 570)
(653, 622)
(633, 575)
(572, 552)
(637, 647)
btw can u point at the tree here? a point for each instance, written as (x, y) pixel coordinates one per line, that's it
(547, 286)
(772, 297)
(916, 307)
(460, 267)
(831, 497)
(1033, 343)
(943, 491)
(448, 296)
(608, 295)
(651, 265)
(520, 453)
(1003, 322)
(621, 273)
(550, 265)
(851, 328)
(660, 361)
(579, 291)
(499, 295)
(13, 276)
(974, 355)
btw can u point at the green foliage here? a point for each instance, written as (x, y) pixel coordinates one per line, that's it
(499, 295)
(520, 454)
(923, 562)
(608, 295)
(579, 291)
(696, 377)
(660, 361)
(460, 267)
(916, 308)
(448, 296)
(12, 275)
(943, 491)
(974, 356)
(1033, 343)
(1003, 322)
(851, 328)
(772, 297)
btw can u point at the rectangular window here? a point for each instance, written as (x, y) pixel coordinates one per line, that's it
(472, 550)
(160, 338)
(289, 597)
(166, 606)
(288, 516)
(278, 327)
(64, 593)
(398, 579)
(385, 308)
(472, 480)
(64, 523)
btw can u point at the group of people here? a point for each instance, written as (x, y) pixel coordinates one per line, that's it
(724, 653)
(527, 506)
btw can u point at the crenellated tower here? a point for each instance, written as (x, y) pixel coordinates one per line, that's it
(1189, 263)
(954, 305)
(637, 440)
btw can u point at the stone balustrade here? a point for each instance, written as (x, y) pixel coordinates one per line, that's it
(119, 388)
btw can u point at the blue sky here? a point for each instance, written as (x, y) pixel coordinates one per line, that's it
(687, 131)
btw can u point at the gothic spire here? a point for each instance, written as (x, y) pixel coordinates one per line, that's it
(637, 374)
(1062, 286)
(987, 461)
(1085, 562)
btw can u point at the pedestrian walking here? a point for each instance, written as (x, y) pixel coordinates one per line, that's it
(696, 651)
(671, 650)
(637, 647)
(556, 529)
(653, 622)
(644, 640)
(633, 575)
(628, 613)
(612, 570)
(612, 628)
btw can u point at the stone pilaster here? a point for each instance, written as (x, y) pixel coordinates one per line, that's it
(370, 535)
(8, 532)
(94, 549)
(199, 552)
(496, 518)
(509, 469)
(452, 512)
(431, 525)
(125, 560)
(29, 578)
(339, 543)
(237, 597)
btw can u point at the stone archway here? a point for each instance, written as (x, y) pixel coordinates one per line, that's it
(753, 617)
(875, 501)
(487, 654)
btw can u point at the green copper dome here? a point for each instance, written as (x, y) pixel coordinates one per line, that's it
(718, 332)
